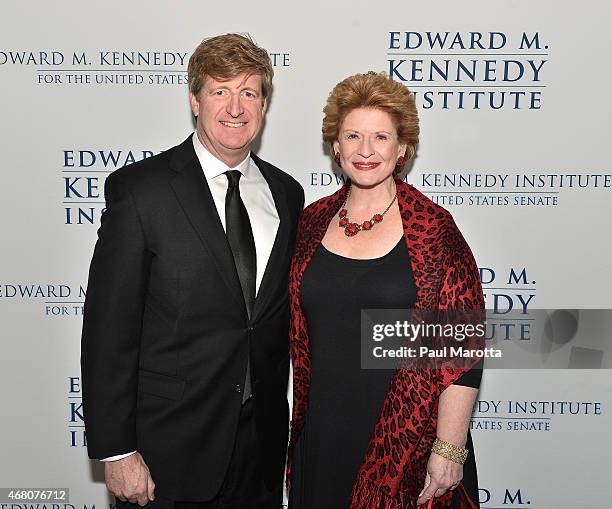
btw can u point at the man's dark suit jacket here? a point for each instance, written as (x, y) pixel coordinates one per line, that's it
(166, 334)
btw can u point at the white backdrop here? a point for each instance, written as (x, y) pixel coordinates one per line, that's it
(87, 87)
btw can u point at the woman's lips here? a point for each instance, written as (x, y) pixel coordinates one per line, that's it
(366, 166)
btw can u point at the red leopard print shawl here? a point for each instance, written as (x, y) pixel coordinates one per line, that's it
(446, 276)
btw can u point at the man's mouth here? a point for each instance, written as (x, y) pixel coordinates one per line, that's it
(365, 165)
(233, 124)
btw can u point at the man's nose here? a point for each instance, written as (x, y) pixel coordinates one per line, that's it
(234, 105)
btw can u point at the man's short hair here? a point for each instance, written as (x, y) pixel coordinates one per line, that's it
(224, 57)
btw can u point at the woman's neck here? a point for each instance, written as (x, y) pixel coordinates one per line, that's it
(371, 198)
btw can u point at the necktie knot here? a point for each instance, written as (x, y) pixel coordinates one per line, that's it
(233, 177)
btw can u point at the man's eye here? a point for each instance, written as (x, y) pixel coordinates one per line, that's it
(250, 95)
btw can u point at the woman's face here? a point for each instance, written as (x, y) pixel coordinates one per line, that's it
(368, 146)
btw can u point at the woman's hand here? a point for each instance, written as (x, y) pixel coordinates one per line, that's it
(442, 475)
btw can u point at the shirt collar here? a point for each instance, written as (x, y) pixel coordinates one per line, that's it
(214, 167)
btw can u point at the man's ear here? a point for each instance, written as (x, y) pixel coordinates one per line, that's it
(195, 104)
(264, 106)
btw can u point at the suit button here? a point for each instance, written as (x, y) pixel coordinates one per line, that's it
(250, 328)
(238, 388)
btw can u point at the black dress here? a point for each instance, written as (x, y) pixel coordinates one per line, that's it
(345, 400)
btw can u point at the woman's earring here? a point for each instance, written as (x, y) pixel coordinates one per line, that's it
(337, 157)
(400, 161)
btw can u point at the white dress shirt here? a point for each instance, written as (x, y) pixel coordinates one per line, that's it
(255, 194)
(257, 199)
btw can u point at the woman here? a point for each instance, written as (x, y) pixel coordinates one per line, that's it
(366, 438)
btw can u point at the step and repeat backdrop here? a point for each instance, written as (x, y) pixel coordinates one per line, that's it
(515, 143)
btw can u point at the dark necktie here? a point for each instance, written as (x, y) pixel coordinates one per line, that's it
(240, 237)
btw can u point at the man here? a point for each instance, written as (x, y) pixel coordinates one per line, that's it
(185, 332)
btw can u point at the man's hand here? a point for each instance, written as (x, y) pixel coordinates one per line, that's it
(129, 480)
(442, 475)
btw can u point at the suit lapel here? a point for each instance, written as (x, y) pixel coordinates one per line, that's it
(191, 189)
(272, 274)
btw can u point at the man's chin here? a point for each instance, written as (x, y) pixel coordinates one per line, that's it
(237, 145)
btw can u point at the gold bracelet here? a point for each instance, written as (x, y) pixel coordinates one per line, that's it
(450, 451)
